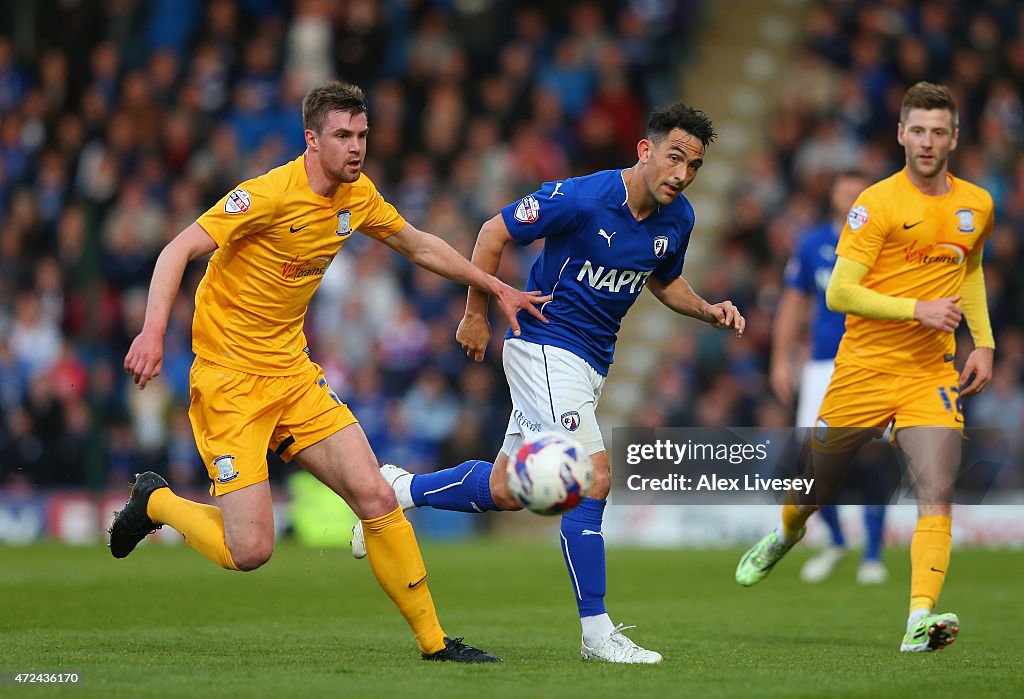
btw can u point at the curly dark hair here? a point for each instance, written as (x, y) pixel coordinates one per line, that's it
(680, 116)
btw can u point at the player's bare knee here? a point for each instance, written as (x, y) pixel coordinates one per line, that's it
(376, 501)
(251, 555)
(502, 497)
(498, 482)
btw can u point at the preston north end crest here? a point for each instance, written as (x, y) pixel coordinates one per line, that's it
(965, 221)
(344, 222)
(225, 466)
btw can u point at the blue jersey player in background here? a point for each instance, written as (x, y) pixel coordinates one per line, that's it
(803, 304)
(607, 237)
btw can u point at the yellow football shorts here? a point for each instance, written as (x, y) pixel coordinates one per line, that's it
(237, 416)
(869, 400)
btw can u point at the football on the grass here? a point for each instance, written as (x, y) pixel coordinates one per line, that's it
(550, 474)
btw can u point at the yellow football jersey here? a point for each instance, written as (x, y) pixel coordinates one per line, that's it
(916, 246)
(275, 238)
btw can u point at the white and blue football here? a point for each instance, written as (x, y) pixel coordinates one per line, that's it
(550, 474)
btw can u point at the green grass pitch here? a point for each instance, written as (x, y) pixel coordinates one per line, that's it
(167, 623)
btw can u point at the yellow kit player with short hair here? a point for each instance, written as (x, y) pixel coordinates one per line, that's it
(908, 269)
(253, 384)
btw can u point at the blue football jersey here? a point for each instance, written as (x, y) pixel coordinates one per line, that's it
(596, 260)
(808, 271)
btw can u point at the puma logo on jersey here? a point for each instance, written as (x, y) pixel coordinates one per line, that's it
(614, 280)
(556, 193)
(606, 236)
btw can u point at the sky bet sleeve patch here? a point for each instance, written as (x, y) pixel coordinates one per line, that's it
(528, 210)
(857, 217)
(238, 202)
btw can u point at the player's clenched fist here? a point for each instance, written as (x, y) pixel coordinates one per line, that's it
(473, 335)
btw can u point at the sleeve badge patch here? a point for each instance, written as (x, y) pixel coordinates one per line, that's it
(238, 202)
(528, 210)
(857, 217)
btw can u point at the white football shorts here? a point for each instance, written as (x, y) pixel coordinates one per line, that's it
(813, 384)
(552, 390)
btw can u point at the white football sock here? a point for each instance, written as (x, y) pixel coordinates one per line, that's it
(403, 492)
(780, 532)
(596, 629)
(916, 616)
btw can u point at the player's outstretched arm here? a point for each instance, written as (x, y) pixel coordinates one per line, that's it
(145, 356)
(432, 253)
(681, 298)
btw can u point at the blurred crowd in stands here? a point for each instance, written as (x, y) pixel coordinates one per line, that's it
(122, 120)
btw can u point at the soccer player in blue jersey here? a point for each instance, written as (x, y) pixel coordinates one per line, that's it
(803, 302)
(607, 236)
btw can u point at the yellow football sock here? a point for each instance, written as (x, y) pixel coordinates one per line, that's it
(793, 520)
(929, 560)
(201, 525)
(398, 566)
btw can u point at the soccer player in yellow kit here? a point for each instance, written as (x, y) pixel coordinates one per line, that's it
(908, 269)
(253, 384)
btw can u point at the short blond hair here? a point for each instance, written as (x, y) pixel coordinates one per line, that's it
(924, 95)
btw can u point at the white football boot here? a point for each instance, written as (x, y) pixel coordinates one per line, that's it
(618, 648)
(392, 474)
(822, 564)
(872, 573)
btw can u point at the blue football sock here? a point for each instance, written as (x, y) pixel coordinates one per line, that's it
(874, 524)
(583, 549)
(830, 514)
(465, 488)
